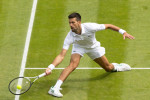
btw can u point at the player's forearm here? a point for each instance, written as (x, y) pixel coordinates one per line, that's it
(58, 60)
(55, 63)
(112, 27)
(115, 28)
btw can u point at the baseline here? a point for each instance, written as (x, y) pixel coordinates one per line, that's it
(87, 68)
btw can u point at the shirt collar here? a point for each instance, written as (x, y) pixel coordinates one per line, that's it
(82, 31)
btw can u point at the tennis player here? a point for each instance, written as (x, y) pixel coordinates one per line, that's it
(82, 36)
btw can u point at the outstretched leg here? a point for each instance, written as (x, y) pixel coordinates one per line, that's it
(104, 63)
(74, 62)
(111, 67)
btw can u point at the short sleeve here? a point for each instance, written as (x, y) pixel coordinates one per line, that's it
(68, 40)
(95, 27)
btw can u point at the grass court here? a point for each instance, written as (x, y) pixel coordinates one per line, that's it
(49, 30)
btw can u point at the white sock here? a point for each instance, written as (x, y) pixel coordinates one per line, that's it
(58, 84)
(115, 67)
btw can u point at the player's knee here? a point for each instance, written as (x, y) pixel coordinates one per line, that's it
(73, 66)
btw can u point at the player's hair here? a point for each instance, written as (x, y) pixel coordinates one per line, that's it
(75, 15)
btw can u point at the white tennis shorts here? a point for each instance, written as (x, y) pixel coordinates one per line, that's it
(93, 53)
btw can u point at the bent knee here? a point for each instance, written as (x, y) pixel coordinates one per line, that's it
(73, 66)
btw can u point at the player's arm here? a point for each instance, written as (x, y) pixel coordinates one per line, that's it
(56, 61)
(115, 28)
(60, 57)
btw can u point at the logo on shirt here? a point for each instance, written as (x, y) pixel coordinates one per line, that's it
(89, 36)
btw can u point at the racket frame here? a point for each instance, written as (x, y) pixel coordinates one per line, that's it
(28, 78)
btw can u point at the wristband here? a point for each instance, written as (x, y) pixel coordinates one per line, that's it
(51, 66)
(121, 31)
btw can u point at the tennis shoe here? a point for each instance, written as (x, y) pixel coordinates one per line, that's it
(123, 67)
(55, 92)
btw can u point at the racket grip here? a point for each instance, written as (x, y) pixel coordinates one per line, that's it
(41, 75)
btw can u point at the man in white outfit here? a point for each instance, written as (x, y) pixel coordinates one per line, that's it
(82, 36)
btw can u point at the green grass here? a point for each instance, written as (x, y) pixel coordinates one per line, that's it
(49, 30)
(14, 20)
(138, 50)
(101, 85)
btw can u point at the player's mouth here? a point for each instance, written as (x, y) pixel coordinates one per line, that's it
(72, 28)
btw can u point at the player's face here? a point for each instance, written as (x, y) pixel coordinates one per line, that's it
(74, 24)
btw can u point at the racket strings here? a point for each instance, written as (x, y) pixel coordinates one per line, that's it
(24, 84)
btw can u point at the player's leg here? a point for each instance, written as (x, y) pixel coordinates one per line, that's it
(111, 67)
(97, 54)
(77, 52)
(75, 59)
(104, 63)
(74, 62)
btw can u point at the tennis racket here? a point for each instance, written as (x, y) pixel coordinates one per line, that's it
(20, 85)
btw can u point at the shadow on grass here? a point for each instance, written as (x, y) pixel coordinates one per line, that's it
(98, 77)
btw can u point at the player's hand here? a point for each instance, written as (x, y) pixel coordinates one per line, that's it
(126, 35)
(48, 71)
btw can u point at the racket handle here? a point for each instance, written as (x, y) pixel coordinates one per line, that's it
(41, 75)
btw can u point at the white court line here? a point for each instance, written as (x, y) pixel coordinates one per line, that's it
(24, 59)
(84, 68)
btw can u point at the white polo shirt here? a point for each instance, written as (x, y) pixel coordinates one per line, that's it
(86, 39)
